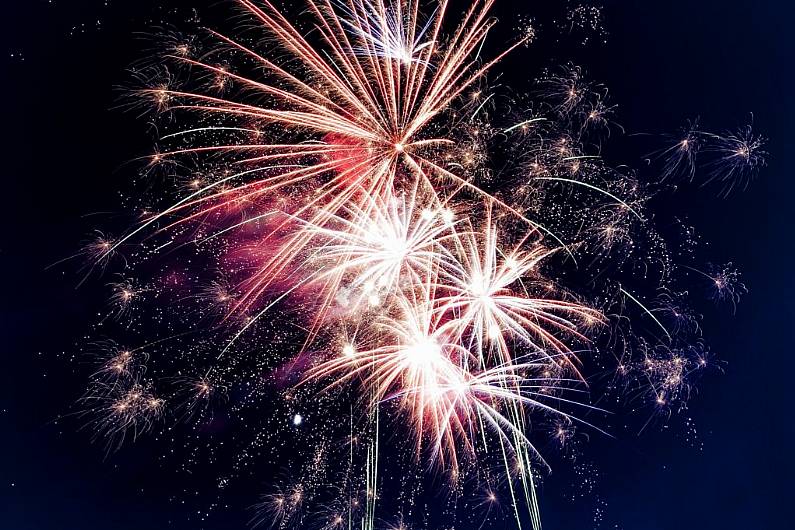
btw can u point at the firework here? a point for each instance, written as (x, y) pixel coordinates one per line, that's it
(343, 189)
(731, 159)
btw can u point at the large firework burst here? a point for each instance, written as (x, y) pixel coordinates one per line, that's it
(343, 190)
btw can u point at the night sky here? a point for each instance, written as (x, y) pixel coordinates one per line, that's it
(66, 151)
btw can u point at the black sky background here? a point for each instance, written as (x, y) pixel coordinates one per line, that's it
(64, 157)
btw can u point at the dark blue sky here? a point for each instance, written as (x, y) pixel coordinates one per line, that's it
(665, 62)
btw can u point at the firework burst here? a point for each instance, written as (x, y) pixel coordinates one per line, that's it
(343, 189)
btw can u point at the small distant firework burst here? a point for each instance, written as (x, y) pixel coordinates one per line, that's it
(370, 265)
(731, 159)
